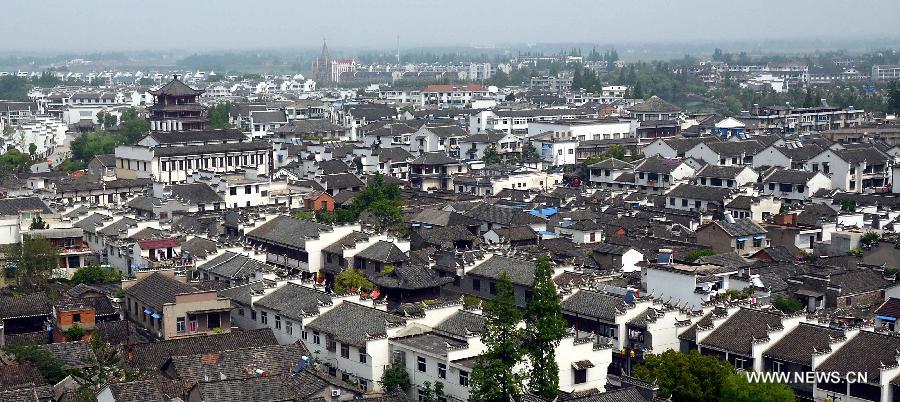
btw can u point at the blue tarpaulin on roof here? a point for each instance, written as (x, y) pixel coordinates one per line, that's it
(147, 311)
(155, 315)
(886, 318)
(742, 239)
(543, 212)
(759, 237)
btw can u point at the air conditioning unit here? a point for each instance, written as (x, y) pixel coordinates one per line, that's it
(335, 392)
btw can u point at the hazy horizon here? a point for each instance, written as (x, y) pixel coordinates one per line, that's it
(107, 25)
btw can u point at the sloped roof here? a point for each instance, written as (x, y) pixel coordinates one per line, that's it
(287, 230)
(740, 227)
(590, 304)
(657, 164)
(295, 301)
(434, 158)
(153, 355)
(799, 345)
(520, 272)
(233, 265)
(866, 352)
(15, 206)
(354, 323)
(383, 251)
(157, 289)
(654, 105)
(736, 335)
(176, 88)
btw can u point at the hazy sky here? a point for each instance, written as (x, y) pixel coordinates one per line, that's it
(40, 25)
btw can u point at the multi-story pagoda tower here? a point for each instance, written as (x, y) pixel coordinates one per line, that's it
(176, 108)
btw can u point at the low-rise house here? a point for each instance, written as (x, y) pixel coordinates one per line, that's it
(606, 172)
(434, 171)
(742, 236)
(757, 209)
(794, 185)
(656, 175)
(689, 285)
(690, 197)
(725, 176)
(854, 170)
(296, 244)
(172, 309)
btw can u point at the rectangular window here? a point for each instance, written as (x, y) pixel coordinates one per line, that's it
(179, 324)
(476, 284)
(76, 317)
(363, 357)
(493, 288)
(442, 370)
(580, 376)
(464, 378)
(316, 338)
(757, 243)
(421, 364)
(345, 350)
(264, 317)
(304, 335)
(289, 327)
(277, 321)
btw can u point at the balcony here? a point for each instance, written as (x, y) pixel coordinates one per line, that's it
(286, 261)
(175, 264)
(73, 250)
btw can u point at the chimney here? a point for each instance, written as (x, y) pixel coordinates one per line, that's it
(786, 219)
(664, 257)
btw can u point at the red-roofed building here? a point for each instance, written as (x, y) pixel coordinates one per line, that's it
(452, 95)
(159, 254)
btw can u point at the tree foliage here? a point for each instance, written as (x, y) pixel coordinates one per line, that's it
(13, 88)
(544, 328)
(697, 254)
(352, 279)
(75, 333)
(48, 365)
(491, 155)
(105, 367)
(219, 116)
(134, 126)
(737, 389)
(34, 259)
(432, 393)
(494, 378)
(95, 274)
(395, 378)
(384, 202)
(14, 161)
(787, 304)
(893, 97)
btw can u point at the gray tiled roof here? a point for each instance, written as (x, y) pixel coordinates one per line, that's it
(720, 172)
(788, 176)
(287, 231)
(14, 206)
(295, 301)
(799, 345)
(866, 352)
(153, 355)
(137, 391)
(736, 335)
(157, 289)
(462, 324)
(384, 252)
(212, 148)
(740, 227)
(657, 164)
(232, 364)
(193, 136)
(72, 354)
(612, 164)
(196, 193)
(431, 342)
(654, 105)
(36, 304)
(233, 265)
(434, 158)
(354, 323)
(520, 272)
(589, 304)
(702, 193)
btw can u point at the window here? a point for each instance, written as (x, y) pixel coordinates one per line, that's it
(76, 317)
(363, 358)
(442, 370)
(739, 244)
(304, 335)
(363, 384)
(777, 366)
(277, 321)
(316, 338)
(476, 284)
(739, 363)
(253, 314)
(179, 324)
(757, 242)
(772, 186)
(580, 375)
(232, 191)
(420, 364)
(264, 317)
(241, 312)
(289, 327)
(345, 350)
(464, 378)
(248, 189)
(493, 288)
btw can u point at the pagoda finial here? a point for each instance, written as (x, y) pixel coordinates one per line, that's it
(175, 76)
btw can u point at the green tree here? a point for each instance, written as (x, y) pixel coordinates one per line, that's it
(893, 97)
(491, 155)
(544, 328)
(88, 145)
(787, 304)
(869, 239)
(529, 153)
(14, 161)
(383, 201)
(848, 206)
(32, 150)
(50, 367)
(105, 367)
(737, 389)
(494, 378)
(34, 259)
(95, 274)
(685, 377)
(616, 151)
(38, 223)
(134, 126)
(13, 88)
(219, 116)
(697, 254)
(395, 378)
(351, 279)
(75, 333)
(432, 393)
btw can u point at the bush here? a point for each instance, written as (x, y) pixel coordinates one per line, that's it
(856, 252)
(697, 254)
(95, 274)
(787, 305)
(75, 333)
(352, 279)
(869, 239)
(471, 301)
(395, 378)
(50, 367)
